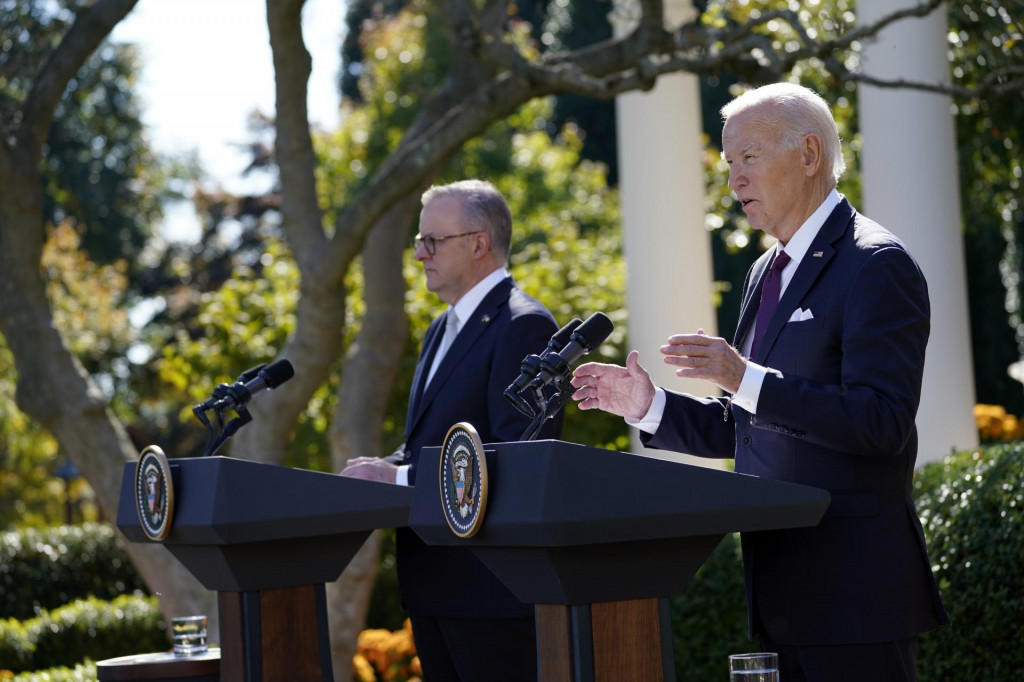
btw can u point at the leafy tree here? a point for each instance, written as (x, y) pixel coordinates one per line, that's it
(491, 72)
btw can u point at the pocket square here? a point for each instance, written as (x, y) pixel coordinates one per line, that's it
(799, 315)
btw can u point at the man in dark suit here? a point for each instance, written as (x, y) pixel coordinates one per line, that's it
(466, 624)
(824, 380)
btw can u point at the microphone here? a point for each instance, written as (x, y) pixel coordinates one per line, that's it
(589, 335)
(253, 381)
(531, 363)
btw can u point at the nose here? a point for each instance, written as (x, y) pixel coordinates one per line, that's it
(420, 252)
(737, 180)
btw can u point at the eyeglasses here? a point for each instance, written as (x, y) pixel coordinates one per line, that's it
(430, 243)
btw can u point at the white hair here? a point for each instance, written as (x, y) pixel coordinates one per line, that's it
(799, 111)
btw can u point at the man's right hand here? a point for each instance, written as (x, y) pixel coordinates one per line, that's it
(370, 469)
(624, 391)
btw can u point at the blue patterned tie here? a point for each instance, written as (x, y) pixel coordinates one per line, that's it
(770, 293)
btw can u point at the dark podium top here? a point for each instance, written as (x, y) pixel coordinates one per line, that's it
(241, 526)
(572, 524)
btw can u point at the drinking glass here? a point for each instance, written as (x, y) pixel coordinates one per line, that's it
(759, 667)
(189, 635)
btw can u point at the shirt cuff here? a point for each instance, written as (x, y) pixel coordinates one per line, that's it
(402, 475)
(750, 387)
(650, 422)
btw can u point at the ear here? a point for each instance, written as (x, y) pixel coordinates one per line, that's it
(481, 244)
(812, 155)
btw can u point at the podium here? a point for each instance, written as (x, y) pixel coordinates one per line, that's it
(267, 538)
(598, 540)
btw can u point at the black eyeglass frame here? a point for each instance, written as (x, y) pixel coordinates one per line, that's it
(430, 243)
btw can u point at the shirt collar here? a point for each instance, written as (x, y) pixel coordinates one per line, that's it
(801, 240)
(472, 298)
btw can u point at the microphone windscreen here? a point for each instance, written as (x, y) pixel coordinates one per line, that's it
(277, 373)
(595, 330)
(251, 373)
(563, 335)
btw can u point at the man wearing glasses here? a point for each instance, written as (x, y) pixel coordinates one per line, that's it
(466, 624)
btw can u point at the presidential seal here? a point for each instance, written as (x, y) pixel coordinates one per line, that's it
(154, 493)
(462, 475)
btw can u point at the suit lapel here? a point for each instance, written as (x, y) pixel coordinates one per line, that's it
(478, 321)
(808, 272)
(431, 341)
(752, 298)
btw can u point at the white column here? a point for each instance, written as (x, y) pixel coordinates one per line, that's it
(667, 247)
(910, 184)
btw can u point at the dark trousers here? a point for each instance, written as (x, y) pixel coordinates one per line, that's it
(876, 662)
(474, 650)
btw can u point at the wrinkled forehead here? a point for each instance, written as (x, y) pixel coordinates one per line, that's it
(749, 129)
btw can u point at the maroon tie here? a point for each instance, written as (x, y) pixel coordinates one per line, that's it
(770, 293)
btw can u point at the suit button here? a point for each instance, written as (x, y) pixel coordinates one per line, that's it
(746, 440)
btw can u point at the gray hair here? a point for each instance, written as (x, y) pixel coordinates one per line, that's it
(483, 207)
(799, 111)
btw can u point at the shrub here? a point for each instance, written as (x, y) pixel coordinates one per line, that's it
(85, 629)
(15, 648)
(83, 672)
(385, 655)
(972, 509)
(43, 569)
(709, 617)
(995, 424)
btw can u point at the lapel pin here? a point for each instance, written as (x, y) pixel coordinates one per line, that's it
(817, 254)
(485, 318)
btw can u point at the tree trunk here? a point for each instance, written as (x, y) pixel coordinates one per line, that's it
(55, 390)
(369, 373)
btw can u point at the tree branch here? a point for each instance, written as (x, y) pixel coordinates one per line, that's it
(91, 27)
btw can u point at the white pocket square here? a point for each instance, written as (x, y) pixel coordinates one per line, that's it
(799, 315)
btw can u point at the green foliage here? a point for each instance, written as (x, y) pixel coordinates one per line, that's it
(98, 171)
(29, 492)
(566, 248)
(972, 510)
(709, 617)
(84, 629)
(982, 38)
(243, 323)
(82, 672)
(43, 569)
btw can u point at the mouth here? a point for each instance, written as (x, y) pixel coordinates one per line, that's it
(746, 202)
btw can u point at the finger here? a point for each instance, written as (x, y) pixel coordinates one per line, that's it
(699, 339)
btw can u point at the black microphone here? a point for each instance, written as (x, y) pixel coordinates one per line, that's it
(531, 363)
(259, 378)
(587, 336)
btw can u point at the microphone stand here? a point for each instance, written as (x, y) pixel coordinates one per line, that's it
(548, 407)
(219, 435)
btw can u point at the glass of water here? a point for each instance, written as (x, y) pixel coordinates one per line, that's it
(760, 667)
(189, 635)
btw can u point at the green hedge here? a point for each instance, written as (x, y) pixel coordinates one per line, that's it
(83, 672)
(85, 629)
(972, 509)
(44, 569)
(709, 617)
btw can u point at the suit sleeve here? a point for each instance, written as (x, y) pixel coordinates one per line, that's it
(871, 408)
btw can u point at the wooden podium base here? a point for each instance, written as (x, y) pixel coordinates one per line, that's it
(276, 634)
(618, 641)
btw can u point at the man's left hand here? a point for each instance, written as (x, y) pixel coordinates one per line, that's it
(370, 469)
(699, 356)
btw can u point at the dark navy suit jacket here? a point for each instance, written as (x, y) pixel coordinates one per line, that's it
(836, 411)
(468, 386)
